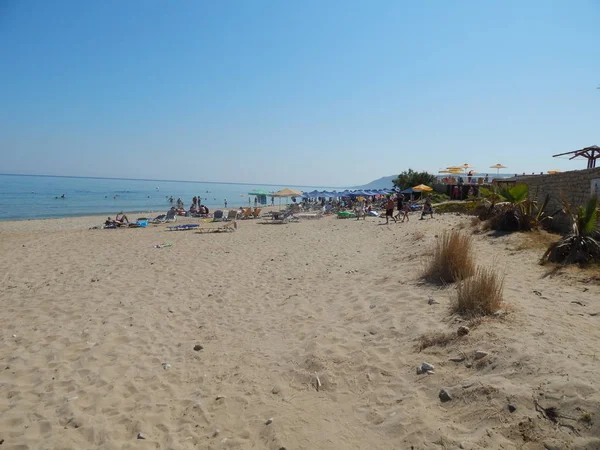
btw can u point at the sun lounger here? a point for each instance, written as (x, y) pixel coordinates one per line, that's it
(247, 214)
(226, 227)
(281, 217)
(309, 215)
(170, 216)
(256, 212)
(159, 219)
(183, 227)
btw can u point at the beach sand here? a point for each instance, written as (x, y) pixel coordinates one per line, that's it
(309, 339)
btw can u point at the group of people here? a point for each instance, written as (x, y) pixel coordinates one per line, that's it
(197, 207)
(404, 207)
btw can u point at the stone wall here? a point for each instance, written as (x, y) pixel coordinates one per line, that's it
(575, 186)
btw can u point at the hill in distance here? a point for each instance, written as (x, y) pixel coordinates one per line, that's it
(380, 183)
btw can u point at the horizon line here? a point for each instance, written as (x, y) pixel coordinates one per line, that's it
(166, 181)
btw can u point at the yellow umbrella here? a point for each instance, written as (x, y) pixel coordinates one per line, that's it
(551, 172)
(422, 187)
(498, 166)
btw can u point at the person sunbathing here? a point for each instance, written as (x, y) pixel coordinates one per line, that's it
(114, 222)
(121, 219)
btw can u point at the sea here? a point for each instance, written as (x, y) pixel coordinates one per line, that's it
(25, 197)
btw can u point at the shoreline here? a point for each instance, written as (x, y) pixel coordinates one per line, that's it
(87, 221)
(139, 213)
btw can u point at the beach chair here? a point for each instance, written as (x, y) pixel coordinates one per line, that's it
(247, 214)
(218, 216)
(256, 213)
(232, 215)
(171, 216)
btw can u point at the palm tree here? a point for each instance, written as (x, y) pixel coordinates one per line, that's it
(581, 245)
(521, 212)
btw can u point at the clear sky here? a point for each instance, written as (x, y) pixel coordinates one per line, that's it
(311, 92)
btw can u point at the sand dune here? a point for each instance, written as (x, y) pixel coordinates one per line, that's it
(100, 328)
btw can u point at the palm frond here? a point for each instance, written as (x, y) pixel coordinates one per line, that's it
(518, 193)
(588, 216)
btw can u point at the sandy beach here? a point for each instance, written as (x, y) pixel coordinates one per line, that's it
(296, 336)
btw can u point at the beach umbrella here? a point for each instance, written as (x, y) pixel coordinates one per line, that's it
(455, 170)
(421, 188)
(498, 167)
(462, 167)
(286, 193)
(258, 192)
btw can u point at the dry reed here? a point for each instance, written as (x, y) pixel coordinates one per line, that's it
(481, 294)
(452, 259)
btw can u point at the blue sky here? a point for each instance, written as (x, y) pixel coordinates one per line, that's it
(306, 93)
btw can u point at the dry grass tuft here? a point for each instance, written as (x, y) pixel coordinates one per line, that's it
(481, 294)
(452, 259)
(435, 339)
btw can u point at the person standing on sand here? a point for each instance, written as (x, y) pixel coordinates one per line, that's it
(427, 208)
(225, 203)
(389, 210)
(402, 210)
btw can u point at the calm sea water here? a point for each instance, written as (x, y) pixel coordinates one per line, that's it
(35, 197)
